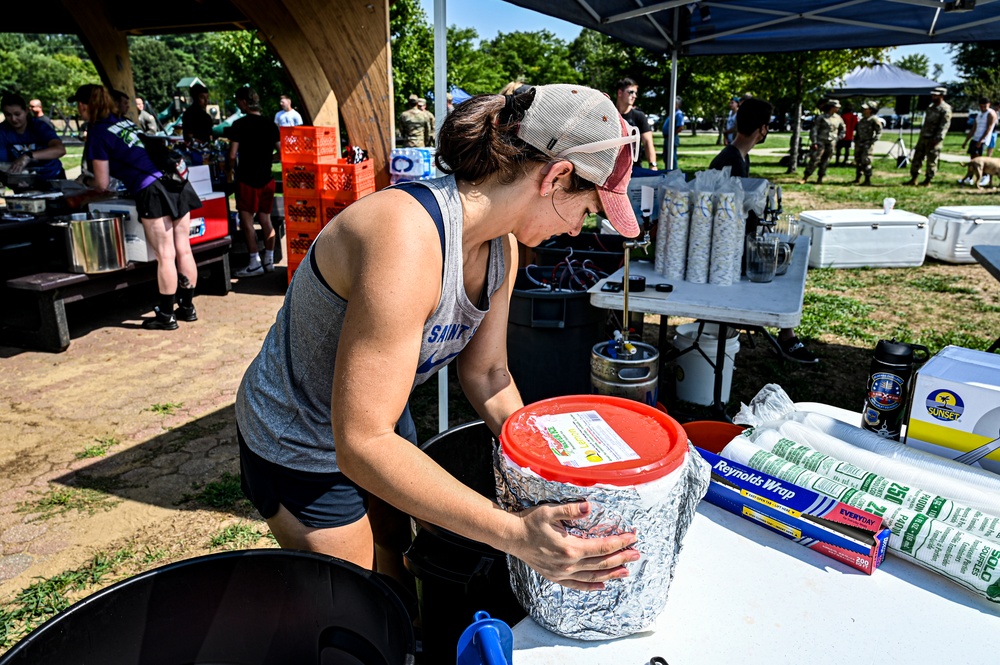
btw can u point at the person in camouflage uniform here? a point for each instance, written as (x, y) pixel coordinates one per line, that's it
(827, 129)
(416, 126)
(868, 131)
(937, 119)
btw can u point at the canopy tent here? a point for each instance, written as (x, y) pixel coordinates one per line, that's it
(458, 95)
(880, 81)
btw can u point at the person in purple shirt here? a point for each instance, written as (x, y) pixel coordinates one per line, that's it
(164, 204)
(26, 140)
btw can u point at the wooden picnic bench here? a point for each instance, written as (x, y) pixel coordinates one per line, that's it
(48, 292)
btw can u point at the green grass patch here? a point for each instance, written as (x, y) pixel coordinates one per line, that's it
(100, 448)
(939, 284)
(224, 494)
(235, 537)
(60, 500)
(935, 340)
(47, 597)
(837, 315)
(167, 409)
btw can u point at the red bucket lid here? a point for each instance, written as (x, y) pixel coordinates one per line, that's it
(654, 443)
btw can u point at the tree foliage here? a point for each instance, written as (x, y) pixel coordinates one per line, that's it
(242, 58)
(37, 66)
(412, 41)
(537, 57)
(979, 64)
(918, 63)
(156, 69)
(469, 67)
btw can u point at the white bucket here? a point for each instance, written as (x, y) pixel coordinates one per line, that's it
(695, 376)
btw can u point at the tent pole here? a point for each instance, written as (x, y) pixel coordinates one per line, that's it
(668, 149)
(440, 110)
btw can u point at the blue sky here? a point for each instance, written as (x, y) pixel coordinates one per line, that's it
(489, 17)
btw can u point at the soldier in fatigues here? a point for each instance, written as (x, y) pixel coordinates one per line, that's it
(868, 131)
(827, 129)
(415, 126)
(936, 121)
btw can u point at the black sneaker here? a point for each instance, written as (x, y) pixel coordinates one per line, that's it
(794, 350)
(160, 321)
(188, 313)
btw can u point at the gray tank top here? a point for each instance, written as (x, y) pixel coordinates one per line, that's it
(283, 403)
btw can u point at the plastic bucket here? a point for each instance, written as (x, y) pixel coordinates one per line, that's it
(631, 462)
(549, 338)
(711, 435)
(456, 576)
(695, 376)
(255, 607)
(636, 377)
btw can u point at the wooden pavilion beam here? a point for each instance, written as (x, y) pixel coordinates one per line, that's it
(340, 49)
(108, 47)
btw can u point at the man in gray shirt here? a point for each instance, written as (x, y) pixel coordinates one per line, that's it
(147, 121)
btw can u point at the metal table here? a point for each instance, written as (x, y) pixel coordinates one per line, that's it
(742, 594)
(988, 257)
(776, 304)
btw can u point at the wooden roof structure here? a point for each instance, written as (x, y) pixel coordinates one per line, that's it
(336, 52)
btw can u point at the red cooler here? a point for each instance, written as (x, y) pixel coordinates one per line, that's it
(211, 220)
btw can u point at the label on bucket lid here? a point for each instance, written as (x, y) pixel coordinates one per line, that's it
(583, 438)
(647, 444)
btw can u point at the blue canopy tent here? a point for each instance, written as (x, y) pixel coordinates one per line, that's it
(880, 81)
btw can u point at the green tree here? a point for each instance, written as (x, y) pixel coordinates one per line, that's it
(797, 79)
(469, 67)
(600, 60)
(242, 58)
(412, 41)
(156, 69)
(537, 57)
(918, 63)
(31, 69)
(979, 64)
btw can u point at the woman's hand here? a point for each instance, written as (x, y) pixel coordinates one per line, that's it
(19, 164)
(578, 563)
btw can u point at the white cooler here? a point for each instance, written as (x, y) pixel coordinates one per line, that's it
(865, 238)
(955, 229)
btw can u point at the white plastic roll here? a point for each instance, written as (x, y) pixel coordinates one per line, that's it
(939, 507)
(726, 240)
(662, 230)
(699, 238)
(852, 443)
(966, 559)
(675, 260)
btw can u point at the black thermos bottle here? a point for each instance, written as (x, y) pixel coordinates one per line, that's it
(889, 386)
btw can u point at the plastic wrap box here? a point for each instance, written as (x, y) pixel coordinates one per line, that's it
(847, 534)
(955, 229)
(956, 404)
(865, 238)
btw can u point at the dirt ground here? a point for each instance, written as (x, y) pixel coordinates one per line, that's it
(159, 402)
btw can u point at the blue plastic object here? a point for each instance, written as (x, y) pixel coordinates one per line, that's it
(486, 642)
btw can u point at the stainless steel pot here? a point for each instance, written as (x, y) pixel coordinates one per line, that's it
(94, 245)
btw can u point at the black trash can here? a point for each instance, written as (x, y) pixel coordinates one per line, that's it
(253, 607)
(549, 338)
(456, 577)
(605, 250)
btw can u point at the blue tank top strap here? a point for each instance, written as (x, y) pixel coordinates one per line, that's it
(425, 197)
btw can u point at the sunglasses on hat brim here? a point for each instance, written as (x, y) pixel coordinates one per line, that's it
(631, 139)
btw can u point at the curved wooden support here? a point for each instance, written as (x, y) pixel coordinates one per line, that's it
(108, 48)
(339, 50)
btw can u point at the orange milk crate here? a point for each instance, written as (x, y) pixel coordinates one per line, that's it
(304, 213)
(293, 265)
(347, 182)
(299, 243)
(301, 180)
(332, 208)
(305, 144)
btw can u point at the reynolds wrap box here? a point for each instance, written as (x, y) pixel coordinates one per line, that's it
(956, 404)
(839, 531)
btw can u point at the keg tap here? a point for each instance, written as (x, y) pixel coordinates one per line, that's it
(772, 211)
(624, 346)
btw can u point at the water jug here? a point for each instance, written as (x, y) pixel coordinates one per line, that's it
(889, 386)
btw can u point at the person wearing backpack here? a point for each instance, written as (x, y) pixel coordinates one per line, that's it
(163, 201)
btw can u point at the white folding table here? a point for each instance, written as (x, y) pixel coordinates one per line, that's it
(775, 304)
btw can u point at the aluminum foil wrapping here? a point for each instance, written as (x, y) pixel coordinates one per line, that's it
(727, 241)
(659, 512)
(675, 257)
(699, 238)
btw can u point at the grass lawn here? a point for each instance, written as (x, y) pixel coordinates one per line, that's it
(845, 312)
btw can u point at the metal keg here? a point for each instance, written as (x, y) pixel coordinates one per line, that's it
(634, 377)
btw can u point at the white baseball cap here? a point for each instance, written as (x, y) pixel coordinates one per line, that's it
(583, 126)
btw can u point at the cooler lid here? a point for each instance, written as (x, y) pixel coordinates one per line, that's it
(594, 439)
(208, 196)
(969, 212)
(860, 217)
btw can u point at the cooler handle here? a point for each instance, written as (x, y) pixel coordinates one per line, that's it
(934, 225)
